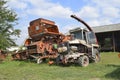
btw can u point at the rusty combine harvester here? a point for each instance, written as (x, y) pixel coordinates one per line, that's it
(43, 42)
(44, 37)
(46, 42)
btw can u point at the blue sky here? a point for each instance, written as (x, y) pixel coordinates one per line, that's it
(94, 12)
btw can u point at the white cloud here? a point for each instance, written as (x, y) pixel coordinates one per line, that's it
(41, 8)
(107, 3)
(68, 27)
(17, 4)
(40, 3)
(93, 23)
(49, 9)
(108, 8)
(23, 36)
(99, 22)
(56, 11)
(88, 12)
(98, 12)
(111, 12)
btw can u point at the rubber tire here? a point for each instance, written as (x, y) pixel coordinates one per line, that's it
(97, 57)
(83, 61)
(39, 61)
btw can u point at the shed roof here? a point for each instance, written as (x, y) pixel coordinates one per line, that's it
(106, 28)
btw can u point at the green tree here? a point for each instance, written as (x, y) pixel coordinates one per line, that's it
(8, 19)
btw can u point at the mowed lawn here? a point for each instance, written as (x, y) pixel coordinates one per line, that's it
(107, 69)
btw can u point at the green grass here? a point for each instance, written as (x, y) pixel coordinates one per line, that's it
(107, 69)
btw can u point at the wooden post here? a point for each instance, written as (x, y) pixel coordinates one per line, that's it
(113, 36)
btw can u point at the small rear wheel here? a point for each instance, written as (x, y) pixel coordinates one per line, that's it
(83, 61)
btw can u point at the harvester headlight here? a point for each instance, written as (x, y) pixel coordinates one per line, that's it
(62, 49)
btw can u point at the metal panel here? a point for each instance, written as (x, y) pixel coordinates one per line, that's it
(106, 28)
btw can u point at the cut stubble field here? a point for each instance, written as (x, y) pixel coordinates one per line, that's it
(107, 69)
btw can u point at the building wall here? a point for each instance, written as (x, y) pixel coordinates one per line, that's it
(117, 40)
(109, 41)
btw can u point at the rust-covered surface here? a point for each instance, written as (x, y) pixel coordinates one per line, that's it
(42, 26)
(46, 42)
(3, 55)
(43, 41)
(44, 34)
(47, 45)
(21, 55)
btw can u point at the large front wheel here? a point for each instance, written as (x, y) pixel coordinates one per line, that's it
(83, 61)
(96, 56)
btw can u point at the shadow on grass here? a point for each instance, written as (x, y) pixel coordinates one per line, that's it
(114, 74)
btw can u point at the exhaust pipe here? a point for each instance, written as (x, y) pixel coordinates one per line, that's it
(80, 20)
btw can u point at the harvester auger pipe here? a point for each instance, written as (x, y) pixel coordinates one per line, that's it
(80, 20)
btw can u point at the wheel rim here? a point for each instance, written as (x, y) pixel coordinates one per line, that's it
(85, 62)
(97, 58)
(39, 61)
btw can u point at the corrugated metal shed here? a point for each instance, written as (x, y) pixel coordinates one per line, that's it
(106, 28)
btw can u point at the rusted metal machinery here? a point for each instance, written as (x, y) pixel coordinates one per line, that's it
(81, 49)
(19, 55)
(44, 37)
(46, 42)
(3, 55)
(43, 42)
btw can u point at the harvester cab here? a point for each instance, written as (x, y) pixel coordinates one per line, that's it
(83, 34)
(87, 35)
